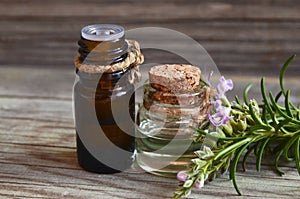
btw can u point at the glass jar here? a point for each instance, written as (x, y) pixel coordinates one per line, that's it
(103, 146)
(165, 129)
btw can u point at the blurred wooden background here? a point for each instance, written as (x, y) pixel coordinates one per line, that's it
(243, 37)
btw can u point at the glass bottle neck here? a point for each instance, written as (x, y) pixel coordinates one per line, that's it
(102, 52)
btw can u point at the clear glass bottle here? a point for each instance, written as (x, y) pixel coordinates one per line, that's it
(164, 134)
(94, 95)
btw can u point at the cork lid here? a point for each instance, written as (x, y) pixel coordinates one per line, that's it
(178, 78)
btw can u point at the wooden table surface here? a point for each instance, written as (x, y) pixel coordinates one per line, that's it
(38, 154)
(37, 46)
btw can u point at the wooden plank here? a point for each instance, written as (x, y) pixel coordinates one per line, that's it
(52, 110)
(39, 122)
(154, 10)
(55, 85)
(31, 160)
(32, 154)
(231, 40)
(36, 181)
(49, 171)
(231, 44)
(35, 132)
(41, 82)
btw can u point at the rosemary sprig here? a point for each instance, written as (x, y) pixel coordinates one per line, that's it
(253, 128)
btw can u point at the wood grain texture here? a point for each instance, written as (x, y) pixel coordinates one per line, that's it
(38, 154)
(251, 37)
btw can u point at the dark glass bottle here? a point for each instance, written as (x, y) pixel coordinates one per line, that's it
(102, 145)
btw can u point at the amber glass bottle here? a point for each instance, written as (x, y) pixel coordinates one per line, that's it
(102, 146)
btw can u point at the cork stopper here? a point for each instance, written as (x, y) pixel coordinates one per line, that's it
(177, 78)
(176, 90)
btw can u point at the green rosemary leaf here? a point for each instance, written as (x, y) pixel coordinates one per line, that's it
(287, 103)
(259, 127)
(276, 163)
(282, 72)
(264, 114)
(250, 149)
(298, 115)
(234, 165)
(212, 176)
(288, 145)
(226, 165)
(235, 108)
(179, 194)
(202, 132)
(281, 124)
(237, 99)
(245, 94)
(279, 94)
(257, 147)
(280, 111)
(260, 153)
(188, 183)
(232, 147)
(297, 156)
(265, 100)
(254, 116)
(204, 81)
(295, 108)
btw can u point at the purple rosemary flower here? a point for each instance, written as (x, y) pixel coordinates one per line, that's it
(182, 176)
(223, 86)
(199, 184)
(222, 113)
(219, 118)
(217, 105)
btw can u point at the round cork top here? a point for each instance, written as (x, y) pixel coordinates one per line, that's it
(177, 78)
